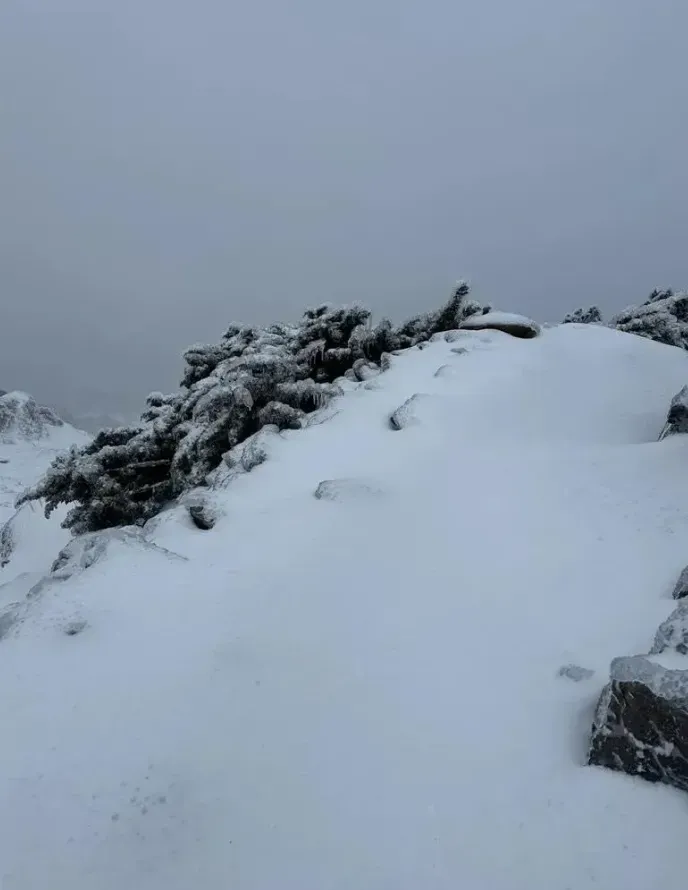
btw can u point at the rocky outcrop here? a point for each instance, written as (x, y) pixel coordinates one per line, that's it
(641, 722)
(677, 418)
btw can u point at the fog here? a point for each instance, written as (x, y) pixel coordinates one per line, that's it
(168, 167)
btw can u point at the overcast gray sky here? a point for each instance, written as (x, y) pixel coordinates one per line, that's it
(167, 167)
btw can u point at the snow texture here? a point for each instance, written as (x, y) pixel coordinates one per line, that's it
(323, 696)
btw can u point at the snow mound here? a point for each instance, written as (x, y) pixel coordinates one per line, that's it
(508, 322)
(368, 698)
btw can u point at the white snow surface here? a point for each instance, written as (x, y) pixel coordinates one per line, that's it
(363, 693)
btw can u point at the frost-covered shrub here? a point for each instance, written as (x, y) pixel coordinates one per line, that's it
(662, 317)
(591, 315)
(254, 377)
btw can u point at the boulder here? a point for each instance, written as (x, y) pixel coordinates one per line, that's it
(364, 370)
(508, 322)
(203, 516)
(641, 722)
(677, 418)
(681, 588)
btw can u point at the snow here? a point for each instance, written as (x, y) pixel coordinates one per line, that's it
(364, 693)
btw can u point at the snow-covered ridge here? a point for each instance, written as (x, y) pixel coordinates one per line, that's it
(354, 678)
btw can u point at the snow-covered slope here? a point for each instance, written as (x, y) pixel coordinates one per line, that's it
(31, 435)
(362, 690)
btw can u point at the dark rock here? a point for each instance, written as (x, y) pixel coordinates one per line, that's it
(641, 722)
(385, 361)
(677, 418)
(681, 588)
(672, 634)
(453, 336)
(575, 672)
(202, 516)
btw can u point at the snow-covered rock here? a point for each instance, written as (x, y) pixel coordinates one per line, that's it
(408, 414)
(346, 490)
(641, 722)
(672, 634)
(681, 587)
(509, 322)
(677, 418)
